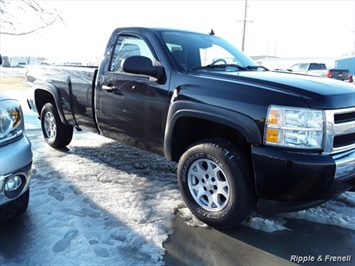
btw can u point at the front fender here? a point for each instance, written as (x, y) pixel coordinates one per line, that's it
(238, 121)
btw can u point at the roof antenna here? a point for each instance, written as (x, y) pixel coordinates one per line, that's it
(211, 32)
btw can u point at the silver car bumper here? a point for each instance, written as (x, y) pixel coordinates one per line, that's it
(15, 161)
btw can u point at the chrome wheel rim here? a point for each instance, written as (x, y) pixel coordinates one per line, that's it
(208, 185)
(50, 126)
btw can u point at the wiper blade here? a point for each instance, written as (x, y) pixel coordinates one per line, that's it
(256, 68)
(221, 66)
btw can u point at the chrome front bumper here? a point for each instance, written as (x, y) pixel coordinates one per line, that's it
(345, 164)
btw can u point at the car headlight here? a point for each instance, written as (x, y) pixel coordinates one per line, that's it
(291, 127)
(11, 121)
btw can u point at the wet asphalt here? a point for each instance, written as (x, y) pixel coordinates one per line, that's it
(247, 246)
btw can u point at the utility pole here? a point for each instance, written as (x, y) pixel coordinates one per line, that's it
(244, 23)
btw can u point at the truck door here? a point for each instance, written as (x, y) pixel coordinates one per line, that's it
(129, 104)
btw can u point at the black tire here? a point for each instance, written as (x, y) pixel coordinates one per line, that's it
(55, 133)
(16, 207)
(216, 183)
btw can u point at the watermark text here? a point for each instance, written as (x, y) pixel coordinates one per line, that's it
(320, 258)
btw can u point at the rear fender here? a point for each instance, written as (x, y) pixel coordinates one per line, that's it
(60, 99)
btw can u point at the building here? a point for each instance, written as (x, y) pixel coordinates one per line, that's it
(23, 61)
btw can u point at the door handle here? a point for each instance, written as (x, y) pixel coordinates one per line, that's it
(108, 87)
(111, 89)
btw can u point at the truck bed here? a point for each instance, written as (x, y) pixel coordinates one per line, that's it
(75, 86)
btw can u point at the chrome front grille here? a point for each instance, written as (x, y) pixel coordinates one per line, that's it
(340, 130)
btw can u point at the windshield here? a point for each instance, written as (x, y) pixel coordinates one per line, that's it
(193, 51)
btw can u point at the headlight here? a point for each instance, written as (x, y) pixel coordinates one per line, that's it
(294, 127)
(11, 121)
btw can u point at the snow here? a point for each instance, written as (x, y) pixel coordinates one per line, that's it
(97, 211)
(338, 212)
(100, 202)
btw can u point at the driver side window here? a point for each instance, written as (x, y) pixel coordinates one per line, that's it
(127, 46)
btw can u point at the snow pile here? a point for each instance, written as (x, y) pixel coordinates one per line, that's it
(339, 212)
(266, 224)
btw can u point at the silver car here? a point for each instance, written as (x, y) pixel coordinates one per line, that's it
(15, 160)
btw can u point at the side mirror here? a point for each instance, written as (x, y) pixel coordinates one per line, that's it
(0, 60)
(289, 70)
(143, 65)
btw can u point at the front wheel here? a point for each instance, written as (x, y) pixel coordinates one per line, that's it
(55, 133)
(215, 182)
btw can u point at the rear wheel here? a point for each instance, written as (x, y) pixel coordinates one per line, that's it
(216, 183)
(56, 134)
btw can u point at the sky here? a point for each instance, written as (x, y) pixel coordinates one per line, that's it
(91, 206)
(276, 28)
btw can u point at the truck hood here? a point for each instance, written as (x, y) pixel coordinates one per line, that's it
(318, 92)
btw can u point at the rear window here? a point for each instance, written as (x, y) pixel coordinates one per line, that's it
(317, 66)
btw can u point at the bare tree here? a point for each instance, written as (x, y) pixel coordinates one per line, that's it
(41, 59)
(23, 17)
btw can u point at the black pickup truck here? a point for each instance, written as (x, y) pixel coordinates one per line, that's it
(243, 136)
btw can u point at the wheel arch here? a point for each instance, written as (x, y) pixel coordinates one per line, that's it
(191, 123)
(47, 93)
